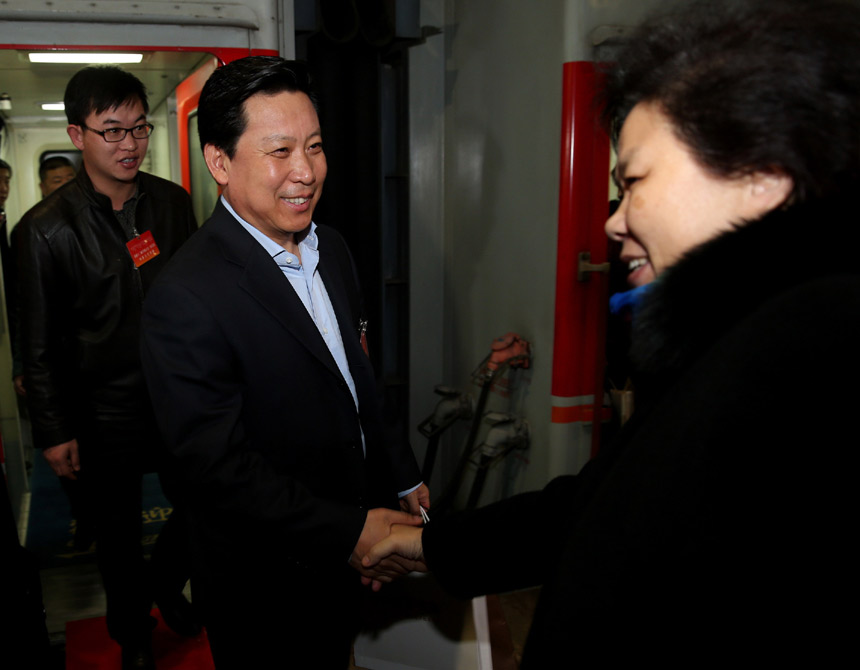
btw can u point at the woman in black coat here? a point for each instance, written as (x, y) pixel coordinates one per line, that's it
(719, 525)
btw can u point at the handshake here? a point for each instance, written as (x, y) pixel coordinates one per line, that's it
(390, 543)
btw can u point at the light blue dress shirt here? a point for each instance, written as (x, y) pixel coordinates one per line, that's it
(308, 285)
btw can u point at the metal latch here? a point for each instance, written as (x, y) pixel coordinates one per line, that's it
(584, 266)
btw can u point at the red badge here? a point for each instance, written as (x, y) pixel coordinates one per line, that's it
(142, 248)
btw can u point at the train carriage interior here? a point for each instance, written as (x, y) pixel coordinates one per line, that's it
(34, 129)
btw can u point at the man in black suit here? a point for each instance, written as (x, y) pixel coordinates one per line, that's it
(252, 348)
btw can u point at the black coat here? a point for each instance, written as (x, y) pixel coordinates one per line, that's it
(720, 523)
(81, 301)
(259, 418)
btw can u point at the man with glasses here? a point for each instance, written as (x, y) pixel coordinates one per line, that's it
(88, 254)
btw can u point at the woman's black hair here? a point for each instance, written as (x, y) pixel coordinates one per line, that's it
(752, 85)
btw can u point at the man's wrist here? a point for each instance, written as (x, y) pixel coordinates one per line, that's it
(405, 493)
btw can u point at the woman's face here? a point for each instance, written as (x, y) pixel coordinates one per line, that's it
(670, 202)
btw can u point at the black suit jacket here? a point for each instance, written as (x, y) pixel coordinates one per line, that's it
(253, 407)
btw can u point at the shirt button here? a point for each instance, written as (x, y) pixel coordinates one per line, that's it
(325, 331)
(289, 261)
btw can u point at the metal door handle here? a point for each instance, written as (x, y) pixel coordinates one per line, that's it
(584, 266)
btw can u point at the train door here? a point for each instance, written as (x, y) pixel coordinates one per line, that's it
(176, 46)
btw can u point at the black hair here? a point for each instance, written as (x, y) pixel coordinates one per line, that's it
(752, 85)
(5, 166)
(53, 163)
(220, 112)
(98, 88)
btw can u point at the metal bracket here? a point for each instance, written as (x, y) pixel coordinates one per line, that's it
(584, 266)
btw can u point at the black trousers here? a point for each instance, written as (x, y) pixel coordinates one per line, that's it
(280, 618)
(113, 461)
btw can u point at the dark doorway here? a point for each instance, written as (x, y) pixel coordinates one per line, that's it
(361, 78)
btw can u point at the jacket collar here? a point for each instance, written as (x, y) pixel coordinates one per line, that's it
(719, 283)
(263, 280)
(100, 200)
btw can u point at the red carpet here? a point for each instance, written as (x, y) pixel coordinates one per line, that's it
(88, 647)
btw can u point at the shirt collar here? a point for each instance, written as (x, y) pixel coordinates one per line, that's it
(310, 241)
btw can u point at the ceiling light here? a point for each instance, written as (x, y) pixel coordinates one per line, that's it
(79, 57)
(53, 106)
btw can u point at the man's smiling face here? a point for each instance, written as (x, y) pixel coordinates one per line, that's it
(275, 176)
(109, 164)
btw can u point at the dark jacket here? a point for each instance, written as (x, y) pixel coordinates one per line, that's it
(81, 299)
(257, 413)
(719, 524)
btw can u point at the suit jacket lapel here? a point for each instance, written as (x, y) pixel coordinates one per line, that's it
(333, 278)
(265, 283)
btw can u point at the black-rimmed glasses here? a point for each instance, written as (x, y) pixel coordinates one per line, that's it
(140, 132)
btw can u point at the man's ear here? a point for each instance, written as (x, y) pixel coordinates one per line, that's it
(770, 190)
(218, 163)
(76, 135)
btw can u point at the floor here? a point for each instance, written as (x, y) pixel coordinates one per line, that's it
(70, 594)
(518, 610)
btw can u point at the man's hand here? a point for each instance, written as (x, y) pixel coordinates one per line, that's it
(63, 459)
(403, 541)
(377, 527)
(411, 501)
(18, 380)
